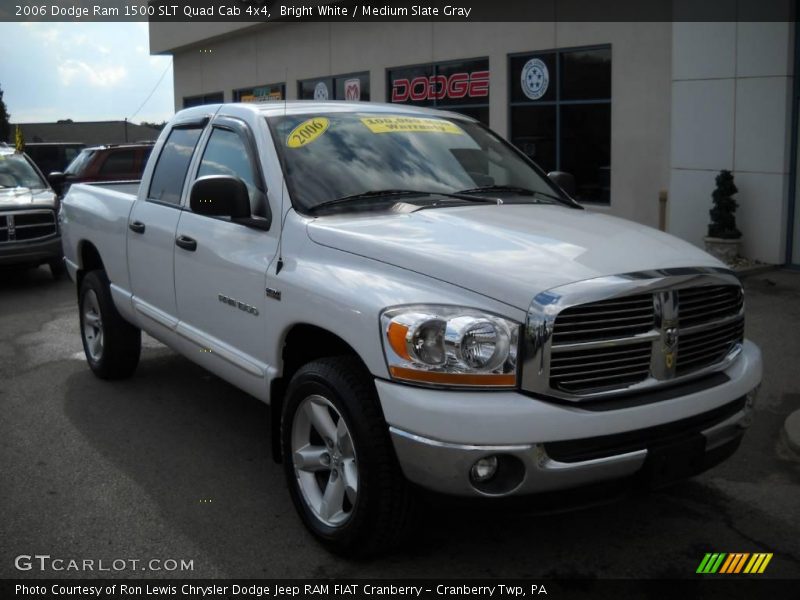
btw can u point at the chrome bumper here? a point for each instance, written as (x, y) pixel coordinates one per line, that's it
(445, 467)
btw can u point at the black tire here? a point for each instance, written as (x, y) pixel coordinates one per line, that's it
(57, 268)
(382, 511)
(120, 342)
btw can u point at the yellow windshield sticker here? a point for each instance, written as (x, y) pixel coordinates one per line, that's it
(409, 124)
(307, 132)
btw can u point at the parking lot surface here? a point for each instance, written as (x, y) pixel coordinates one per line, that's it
(175, 464)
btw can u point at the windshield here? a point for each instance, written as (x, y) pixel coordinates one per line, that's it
(17, 171)
(76, 166)
(337, 155)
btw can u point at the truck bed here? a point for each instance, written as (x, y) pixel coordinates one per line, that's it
(121, 187)
(97, 213)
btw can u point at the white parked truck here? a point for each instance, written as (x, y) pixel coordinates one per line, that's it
(418, 303)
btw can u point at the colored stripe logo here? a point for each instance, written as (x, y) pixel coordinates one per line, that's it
(734, 563)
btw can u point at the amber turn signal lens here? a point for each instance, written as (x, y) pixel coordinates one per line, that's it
(397, 334)
(438, 378)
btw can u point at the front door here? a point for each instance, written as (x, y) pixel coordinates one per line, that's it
(221, 266)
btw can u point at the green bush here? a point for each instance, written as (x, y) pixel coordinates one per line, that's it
(723, 218)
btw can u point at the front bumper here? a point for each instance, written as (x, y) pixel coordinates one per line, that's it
(31, 253)
(438, 435)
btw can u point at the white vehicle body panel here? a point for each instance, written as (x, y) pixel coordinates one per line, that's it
(506, 251)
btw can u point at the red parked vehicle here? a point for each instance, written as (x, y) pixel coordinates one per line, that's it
(117, 162)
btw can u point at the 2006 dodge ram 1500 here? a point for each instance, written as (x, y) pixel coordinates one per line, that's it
(418, 303)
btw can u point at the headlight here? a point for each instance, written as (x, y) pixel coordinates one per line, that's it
(446, 345)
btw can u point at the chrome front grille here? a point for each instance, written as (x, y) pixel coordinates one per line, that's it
(28, 225)
(707, 346)
(632, 332)
(579, 370)
(607, 319)
(703, 304)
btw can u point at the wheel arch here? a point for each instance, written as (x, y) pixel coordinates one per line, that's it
(89, 259)
(302, 343)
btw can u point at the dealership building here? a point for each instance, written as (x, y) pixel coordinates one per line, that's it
(644, 115)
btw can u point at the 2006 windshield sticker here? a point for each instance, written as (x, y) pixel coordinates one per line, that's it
(409, 124)
(307, 132)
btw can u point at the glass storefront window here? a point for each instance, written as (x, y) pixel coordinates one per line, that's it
(586, 74)
(214, 98)
(263, 93)
(560, 115)
(352, 87)
(534, 132)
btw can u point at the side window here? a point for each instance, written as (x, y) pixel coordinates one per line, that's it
(227, 154)
(173, 162)
(119, 162)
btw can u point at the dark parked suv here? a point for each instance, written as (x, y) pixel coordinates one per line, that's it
(53, 156)
(103, 163)
(29, 234)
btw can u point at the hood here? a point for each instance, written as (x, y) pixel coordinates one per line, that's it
(20, 197)
(509, 252)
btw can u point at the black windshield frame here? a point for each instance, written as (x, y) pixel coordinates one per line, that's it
(300, 207)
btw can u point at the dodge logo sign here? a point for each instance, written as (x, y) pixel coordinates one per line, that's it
(352, 89)
(438, 87)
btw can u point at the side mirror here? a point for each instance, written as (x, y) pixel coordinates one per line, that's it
(56, 180)
(220, 196)
(566, 181)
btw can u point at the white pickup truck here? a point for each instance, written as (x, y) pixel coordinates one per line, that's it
(418, 303)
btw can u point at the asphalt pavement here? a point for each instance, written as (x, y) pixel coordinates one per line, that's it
(174, 464)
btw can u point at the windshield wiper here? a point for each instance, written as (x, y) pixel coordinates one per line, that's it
(395, 192)
(510, 189)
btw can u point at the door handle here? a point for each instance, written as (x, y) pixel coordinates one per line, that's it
(136, 226)
(186, 243)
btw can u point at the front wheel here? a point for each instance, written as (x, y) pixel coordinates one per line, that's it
(341, 470)
(111, 344)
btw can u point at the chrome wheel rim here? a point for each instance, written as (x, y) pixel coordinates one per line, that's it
(324, 461)
(92, 326)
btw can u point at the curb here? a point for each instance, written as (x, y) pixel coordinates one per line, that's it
(791, 431)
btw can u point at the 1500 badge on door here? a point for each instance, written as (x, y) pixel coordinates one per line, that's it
(240, 305)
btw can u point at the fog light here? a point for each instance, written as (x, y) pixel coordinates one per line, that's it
(483, 469)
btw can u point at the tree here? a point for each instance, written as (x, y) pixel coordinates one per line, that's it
(153, 125)
(723, 218)
(5, 127)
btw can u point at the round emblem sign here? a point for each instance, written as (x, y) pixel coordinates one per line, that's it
(320, 91)
(535, 79)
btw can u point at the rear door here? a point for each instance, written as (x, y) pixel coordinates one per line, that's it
(220, 273)
(152, 225)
